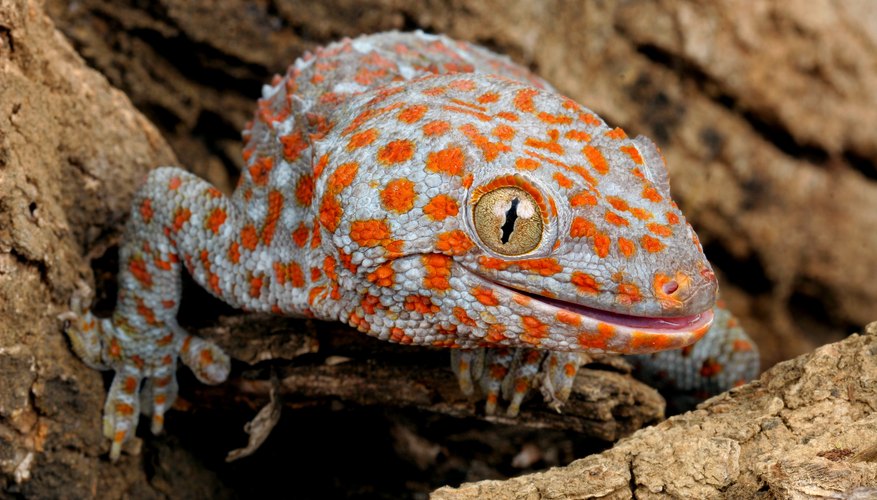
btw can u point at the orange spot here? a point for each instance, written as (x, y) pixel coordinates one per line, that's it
(523, 100)
(174, 183)
(641, 214)
(577, 135)
(330, 214)
(436, 128)
(583, 199)
(398, 196)
(398, 335)
(526, 164)
(137, 267)
(300, 235)
(741, 346)
(585, 283)
(453, 242)
(551, 145)
(147, 313)
(249, 237)
(463, 85)
(329, 268)
(449, 161)
(562, 180)
(626, 247)
(582, 228)
(598, 339)
(534, 330)
(234, 253)
(216, 219)
(485, 296)
(412, 114)
(275, 208)
(124, 409)
(568, 317)
(438, 272)
(131, 385)
(488, 97)
(596, 159)
(205, 357)
(617, 203)
(421, 304)
(462, 317)
(546, 266)
(146, 210)
(255, 287)
(321, 165)
(440, 207)
(347, 261)
(628, 294)
(383, 275)
(495, 333)
(613, 218)
(370, 233)
(370, 303)
(304, 190)
(633, 153)
(616, 133)
(660, 229)
(555, 119)
(181, 216)
(652, 194)
(260, 169)
(489, 149)
(293, 145)
(396, 152)
(503, 132)
(672, 218)
(358, 322)
(493, 263)
(507, 115)
(651, 244)
(361, 139)
(342, 177)
(710, 368)
(166, 340)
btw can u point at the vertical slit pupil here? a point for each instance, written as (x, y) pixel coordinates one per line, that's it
(511, 216)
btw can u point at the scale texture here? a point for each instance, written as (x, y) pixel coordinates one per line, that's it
(424, 191)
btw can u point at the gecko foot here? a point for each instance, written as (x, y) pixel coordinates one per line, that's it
(140, 357)
(509, 374)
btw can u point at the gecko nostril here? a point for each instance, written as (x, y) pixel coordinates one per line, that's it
(670, 287)
(708, 274)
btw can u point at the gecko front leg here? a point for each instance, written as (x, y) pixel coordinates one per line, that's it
(176, 217)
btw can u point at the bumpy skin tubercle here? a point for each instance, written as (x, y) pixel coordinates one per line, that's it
(425, 191)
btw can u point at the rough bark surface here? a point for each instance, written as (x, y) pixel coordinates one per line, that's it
(72, 150)
(805, 429)
(764, 110)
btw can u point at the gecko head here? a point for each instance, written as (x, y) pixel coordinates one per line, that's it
(512, 216)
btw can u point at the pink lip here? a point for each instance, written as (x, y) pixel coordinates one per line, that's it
(676, 324)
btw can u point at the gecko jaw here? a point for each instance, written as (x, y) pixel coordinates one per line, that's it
(679, 331)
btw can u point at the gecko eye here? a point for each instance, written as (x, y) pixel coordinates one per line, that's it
(508, 221)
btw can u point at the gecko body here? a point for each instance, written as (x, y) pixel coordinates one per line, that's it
(424, 191)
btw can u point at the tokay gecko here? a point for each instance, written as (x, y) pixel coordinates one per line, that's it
(425, 191)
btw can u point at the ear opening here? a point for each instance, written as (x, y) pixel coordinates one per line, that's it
(655, 168)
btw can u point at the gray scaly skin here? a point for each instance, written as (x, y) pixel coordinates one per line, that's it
(424, 191)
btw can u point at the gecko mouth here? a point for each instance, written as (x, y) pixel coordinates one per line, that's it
(665, 325)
